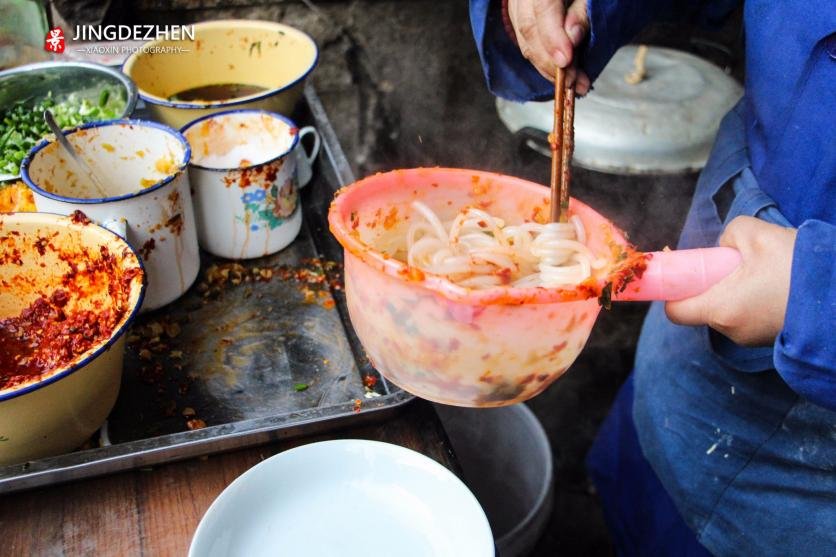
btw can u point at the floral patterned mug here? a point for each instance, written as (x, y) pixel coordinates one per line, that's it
(244, 182)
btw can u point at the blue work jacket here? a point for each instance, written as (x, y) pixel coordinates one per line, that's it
(743, 440)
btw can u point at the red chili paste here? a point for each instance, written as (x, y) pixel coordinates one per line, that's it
(45, 337)
(51, 333)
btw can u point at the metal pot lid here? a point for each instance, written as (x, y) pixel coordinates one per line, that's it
(664, 123)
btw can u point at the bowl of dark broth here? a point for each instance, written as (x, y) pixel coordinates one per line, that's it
(217, 92)
(223, 67)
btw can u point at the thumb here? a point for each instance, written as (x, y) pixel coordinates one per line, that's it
(576, 23)
(690, 311)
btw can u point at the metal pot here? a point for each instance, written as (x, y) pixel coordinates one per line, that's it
(36, 81)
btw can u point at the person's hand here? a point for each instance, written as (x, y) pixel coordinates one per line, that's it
(750, 304)
(548, 33)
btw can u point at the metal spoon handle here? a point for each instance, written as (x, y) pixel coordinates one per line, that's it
(62, 140)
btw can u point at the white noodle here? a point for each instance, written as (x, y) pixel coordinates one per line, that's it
(477, 250)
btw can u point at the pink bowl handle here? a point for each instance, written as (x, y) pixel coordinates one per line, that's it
(675, 275)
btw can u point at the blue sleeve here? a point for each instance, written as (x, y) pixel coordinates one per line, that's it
(613, 23)
(805, 351)
(507, 72)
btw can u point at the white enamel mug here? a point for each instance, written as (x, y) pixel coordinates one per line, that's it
(244, 182)
(143, 168)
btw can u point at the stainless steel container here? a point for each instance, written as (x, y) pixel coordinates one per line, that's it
(35, 81)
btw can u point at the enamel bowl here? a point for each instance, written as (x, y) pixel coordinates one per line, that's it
(40, 253)
(271, 55)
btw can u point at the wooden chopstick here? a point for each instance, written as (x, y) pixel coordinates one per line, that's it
(556, 143)
(561, 142)
(566, 152)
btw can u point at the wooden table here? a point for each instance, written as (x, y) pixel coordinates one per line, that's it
(155, 512)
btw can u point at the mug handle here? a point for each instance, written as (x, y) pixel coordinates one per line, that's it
(310, 157)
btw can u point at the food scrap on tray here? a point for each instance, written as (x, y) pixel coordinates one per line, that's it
(315, 279)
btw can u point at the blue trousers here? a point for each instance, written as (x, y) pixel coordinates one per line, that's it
(641, 517)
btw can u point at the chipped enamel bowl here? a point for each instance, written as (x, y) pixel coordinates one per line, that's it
(271, 55)
(60, 409)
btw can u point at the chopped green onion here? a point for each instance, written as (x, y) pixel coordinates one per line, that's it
(23, 123)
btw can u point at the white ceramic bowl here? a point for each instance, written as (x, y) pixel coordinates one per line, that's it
(345, 498)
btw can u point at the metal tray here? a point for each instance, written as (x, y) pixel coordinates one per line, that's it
(243, 359)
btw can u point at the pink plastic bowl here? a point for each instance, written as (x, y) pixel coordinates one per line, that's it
(491, 347)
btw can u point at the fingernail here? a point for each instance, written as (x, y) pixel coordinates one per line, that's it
(560, 59)
(576, 34)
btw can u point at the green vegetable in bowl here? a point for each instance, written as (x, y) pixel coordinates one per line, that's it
(22, 126)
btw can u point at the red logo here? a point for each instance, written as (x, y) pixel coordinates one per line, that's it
(54, 41)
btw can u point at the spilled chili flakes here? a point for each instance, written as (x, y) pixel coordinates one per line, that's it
(313, 277)
(195, 423)
(40, 245)
(631, 265)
